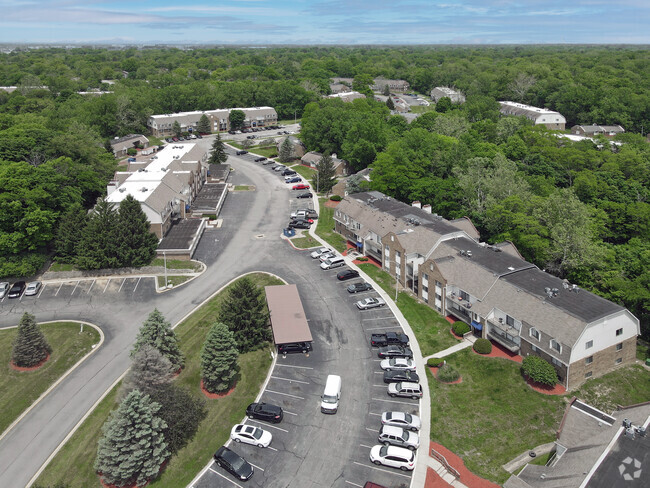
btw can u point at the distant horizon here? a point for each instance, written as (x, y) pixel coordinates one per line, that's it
(266, 23)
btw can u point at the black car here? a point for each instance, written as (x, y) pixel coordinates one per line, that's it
(358, 287)
(304, 195)
(231, 132)
(288, 172)
(347, 274)
(169, 139)
(395, 351)
(292, 347)
(397, 376)
(265, 411)
(241, 152)
(233, 463)
(299, 224)
(199, 136)
(260, 159)
(384, 339)
(17, 289)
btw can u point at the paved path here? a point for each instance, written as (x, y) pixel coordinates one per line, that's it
(464, 344)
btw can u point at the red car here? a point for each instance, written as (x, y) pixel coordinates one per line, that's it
(301, 186)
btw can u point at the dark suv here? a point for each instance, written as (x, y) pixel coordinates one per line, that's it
(294, 347)
(299, 224)
(265, 411)
(241, 152)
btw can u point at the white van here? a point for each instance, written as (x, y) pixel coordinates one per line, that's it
(331, 395)
(334, 262)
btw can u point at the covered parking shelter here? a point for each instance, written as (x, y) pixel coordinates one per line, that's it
(288, 320)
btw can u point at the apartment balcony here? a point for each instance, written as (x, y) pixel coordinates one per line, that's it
(458, 311)
(498, 333)
(452, 297)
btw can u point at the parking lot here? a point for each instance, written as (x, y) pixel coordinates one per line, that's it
(310, 448)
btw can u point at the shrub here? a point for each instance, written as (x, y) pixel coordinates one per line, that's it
(460, 328)
(539, 370)
(433, 362)
(483, 346)
(362, 258)
(131, 151)
(448, 374)
(336, 198)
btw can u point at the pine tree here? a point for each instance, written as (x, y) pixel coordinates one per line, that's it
(390, 104)
(150, 371)
(219, 359)
(69, 233)
(176, 128)
(133, 446)
(218, 155)
(286, 151)
(99, 247)
(325, 177)
(30, 346)
(245, 313)
(157, 332)
(203, 127)
(137, 244)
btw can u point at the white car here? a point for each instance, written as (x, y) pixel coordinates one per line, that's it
(325, 256)
(32, 288)
(315, 254)
(401, 419)
(397, 364)
(397, 436)
(4, 288)
(368, 303)
(249, 434)
(394, 457)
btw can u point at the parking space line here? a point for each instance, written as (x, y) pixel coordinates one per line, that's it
(376, 414)
(372, 430)
(136, 285)
(291, 366)
(291, 413)
(109, 280)
(266, 425)
(58, 289)
(290, 380)
(383, 386)
(353, 484)
(379, 372)
(367, 447)
(42, 288)
(376, 318)
(395, 401)
(286, 394)
(256, 466)
(123, 281)
(384, 470)
(91, 287)
(272, 448)
(75, 287)
(227, 479)
(384, 327)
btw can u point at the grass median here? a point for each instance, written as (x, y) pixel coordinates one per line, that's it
(21, 389)
(325, 227)
(73, 465)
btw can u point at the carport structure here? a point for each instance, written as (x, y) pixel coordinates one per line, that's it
(288, 319)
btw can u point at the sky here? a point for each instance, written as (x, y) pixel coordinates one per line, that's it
(348, 22)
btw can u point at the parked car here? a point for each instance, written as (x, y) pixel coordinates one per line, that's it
(231, 132)
(265, 411)
(292, 347)
(370, 484)
(199, 136)
(268, 161)
(16, 289)
(347, 274)
(249, 434)
(383, 339)
(233, 463)
(326, 255)
(5, 285)
(289, 172)
(370, 302)
(33, 288)
(260, 159)
(401, 375)
(241, 152)
(397, 364)
(175, 139)
(250, 137)
(402, 419)
(359, 287)
(405, 389)
(293, 179)
(392, 456)
(397, 436)
(301, 218)
(318, 252)
(306, 213)
(301, 186)
(279, 167)
(169, 139)
(393, 350)
(304, 195)
(299, 224)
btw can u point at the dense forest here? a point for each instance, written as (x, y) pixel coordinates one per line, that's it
(577, 209)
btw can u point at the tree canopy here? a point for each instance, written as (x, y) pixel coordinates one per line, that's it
(245, 313)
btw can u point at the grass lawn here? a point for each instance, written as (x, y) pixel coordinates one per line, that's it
(625, 386)
(642, 350)
(173, 280)
(420, 109)
(325, 227)
(266, 151)
(431, 330)
(154, 141)
(304, 171)
(176, 264)
(21, 389)
(244, 188)
(304, 242)
(73, 465)
(61, 267)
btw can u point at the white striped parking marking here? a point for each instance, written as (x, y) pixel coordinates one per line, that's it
(109, 280)
(376, 318)
(291, 413)
(291, 366)
(123, 281)
(384, 470)
(75, 287)
(58, 289)
(383, 386)
(286, 394)
(272, 448)
(266, 425)
(256, 466)
(372, 430)
(42, 288)
(227, 479)
(376, 414)
(395, 401)
(384, 327)
(290, 380)
(91, 287)
(353, 484)
(136, 285)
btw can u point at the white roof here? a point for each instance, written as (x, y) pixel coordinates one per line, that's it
(170, 154)
(529, 108)
(140, 190)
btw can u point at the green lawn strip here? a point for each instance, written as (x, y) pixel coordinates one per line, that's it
(325, 227)
(266, 151)
(625, 386)
(243, 188)
(173, 280)
(73, 464)
(21, 389)
(304, 242)
(420, 109)
(542, 460)
(492, 416)
(61, 267)
(304, 171)
(154, 141)
(176, 264)
(430, 329)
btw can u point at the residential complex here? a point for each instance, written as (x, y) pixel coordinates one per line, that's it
(540, 116)
(490, 287)
(444, 91)
(594, 130)
(121, 145)
(163, 125)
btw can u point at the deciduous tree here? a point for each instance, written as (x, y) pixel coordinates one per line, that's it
(237, 118)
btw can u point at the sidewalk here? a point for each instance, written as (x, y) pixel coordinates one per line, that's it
(464, 344)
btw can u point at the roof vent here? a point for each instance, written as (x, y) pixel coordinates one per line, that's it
(469, 254)
(575, 288)
(121, 190)
(510, 268)
(143, 189)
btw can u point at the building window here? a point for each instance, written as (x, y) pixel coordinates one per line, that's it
(557, 362)
(438, 297)
(589, 360)
(619, 346)
(619, 332)
(589, 344)
(618, 361)
(588, 374)
(534, 333)
(556, 345)
(534, 348)
(438, 284)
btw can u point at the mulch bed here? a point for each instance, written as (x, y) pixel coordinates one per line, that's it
(545, 389)
(30, 368)
(214, 396)
(500, 352)
(451, 331)
(434, 372)
(450, 319)
(467, 478)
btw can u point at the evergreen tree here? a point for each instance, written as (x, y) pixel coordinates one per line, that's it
(30, 346)
(203, 127)
(108, 147)
(99, 246)
(137, 244)
(150, 371)
(219, 359)
(218, 155)
(133, 446)
(176, 128)
(325, 177)
(237, 118)
(386, 90)
(389, 103)
(157, 332)
(286, 151)
(245, 313)
(69, 233)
